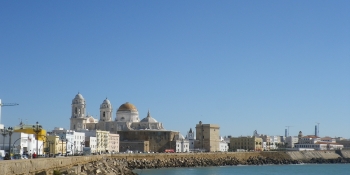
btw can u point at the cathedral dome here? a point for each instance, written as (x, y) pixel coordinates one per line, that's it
(149, 119)
(127, 107)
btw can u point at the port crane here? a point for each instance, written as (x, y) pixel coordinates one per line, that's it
(288, 130)
(6, 104)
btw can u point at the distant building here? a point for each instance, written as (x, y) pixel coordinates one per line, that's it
(56, 145)
(21, 143)
(345, 143)
(67, 136)
(74, 139)
(113, 145)
(191, 139)
(127, 124)
(290, 141)
(102, 138)
(223, 145)
(182, 144)
(91, 142)
(127, 118)
(312, 142)
(207, 137)
(247, 143)
(159, 140)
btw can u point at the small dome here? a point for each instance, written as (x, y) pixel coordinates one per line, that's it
(127, 107)
(106, 101)
(149, 119)
(79, 96)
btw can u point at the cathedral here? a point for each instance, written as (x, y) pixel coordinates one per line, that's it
(127, 118)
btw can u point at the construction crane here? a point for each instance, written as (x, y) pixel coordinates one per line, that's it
(6, 104)
(288, 130)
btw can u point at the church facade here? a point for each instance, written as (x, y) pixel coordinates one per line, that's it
(127, 118)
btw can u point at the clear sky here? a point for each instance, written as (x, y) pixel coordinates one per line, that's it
(245, 65)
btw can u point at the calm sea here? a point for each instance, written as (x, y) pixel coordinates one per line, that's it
(304, 169)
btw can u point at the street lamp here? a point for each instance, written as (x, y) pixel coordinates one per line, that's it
(3, 133)
(10, 130)
(37, 128)
(82, 144)
(49, 143)
(66, 146)
(62, 139)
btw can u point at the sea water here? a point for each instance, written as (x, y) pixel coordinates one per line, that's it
(300, 169)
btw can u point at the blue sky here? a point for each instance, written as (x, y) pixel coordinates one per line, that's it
(245, 65)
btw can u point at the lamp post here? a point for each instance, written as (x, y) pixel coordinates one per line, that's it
(10, 130)
(82, 144)
(37, 128)
(53, 150)
(3, 133)
(66, 146)
(71, 148)
(75, 149)
(62, 144)
(49, 143)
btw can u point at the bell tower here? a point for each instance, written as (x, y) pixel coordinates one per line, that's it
(78, 119)
(106, 111)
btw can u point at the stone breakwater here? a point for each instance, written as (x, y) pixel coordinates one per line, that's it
(125, 163)
(108, 166)
(202, 162)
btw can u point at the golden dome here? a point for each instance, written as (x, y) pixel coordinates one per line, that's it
(127, 107)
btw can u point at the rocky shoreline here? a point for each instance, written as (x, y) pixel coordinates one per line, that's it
(203, 162)
(109, 166)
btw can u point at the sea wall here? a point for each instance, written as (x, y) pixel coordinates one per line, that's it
(34, 166)
(308, 155)
(211, 155)
(122, 163)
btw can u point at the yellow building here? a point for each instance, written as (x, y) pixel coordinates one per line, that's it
(28, 129)
(246, 143)
(55, 145)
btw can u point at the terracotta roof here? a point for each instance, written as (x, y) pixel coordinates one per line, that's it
(331, 143)
(310, 136)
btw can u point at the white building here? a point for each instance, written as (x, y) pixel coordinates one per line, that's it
(79, 142)
(182, 144)
(21, 143)
(223, 145)
(102, 139)
(312, 142)
(274, 142)
(92, 143)
(191, 139)
(290, 141)
(67, 136)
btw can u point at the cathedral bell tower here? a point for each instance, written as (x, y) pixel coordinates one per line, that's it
(78, 119)
(106, 111)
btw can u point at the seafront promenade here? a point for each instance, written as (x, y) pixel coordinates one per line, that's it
(124, 163)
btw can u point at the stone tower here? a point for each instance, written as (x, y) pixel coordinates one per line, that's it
(78, 119)
(106, 111)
